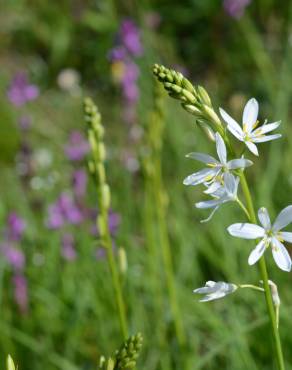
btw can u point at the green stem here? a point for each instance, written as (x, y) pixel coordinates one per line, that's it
(166, 253)
(242, 206)
(265, 278)
(107, 241)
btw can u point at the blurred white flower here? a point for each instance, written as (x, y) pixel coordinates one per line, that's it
(43, 158)
(69, 80)
(225, 193)
(269, 234)
(249, 133)
(215, 290)
(215, 168)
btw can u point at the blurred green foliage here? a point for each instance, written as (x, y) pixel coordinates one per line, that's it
(71, 320)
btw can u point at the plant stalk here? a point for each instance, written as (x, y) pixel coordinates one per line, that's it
(265, 278)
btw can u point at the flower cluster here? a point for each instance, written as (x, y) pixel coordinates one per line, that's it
(124, 68)
(220, 178)
(70, 209)
(21, 91)
(12, 252)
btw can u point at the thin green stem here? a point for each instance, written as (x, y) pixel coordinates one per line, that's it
(265, 278)
(116, 284)
(242, 206)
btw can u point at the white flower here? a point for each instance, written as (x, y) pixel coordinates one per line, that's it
(225, 193)
(269, 234)
(249, 133)
(215, 290)
(215, 168)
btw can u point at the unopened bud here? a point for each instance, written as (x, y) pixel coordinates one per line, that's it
(102, 225)
(207, 130)
(123, 260)
(192, 109)
(212, 116)
(189, 96)
(106, 195)
(10, 363)
(204, 96)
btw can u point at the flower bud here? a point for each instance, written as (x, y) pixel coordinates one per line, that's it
(204, 97)
(123, 260)
(10, 363)
(211, 115)
(106, 195)
(207, 130)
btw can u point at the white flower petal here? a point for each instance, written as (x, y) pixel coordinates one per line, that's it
(252, 147)
(250, 114)
(281, 255)
(202, 157)
(285, 235)
(231, 184)
(213, 187)
(264, 218)
(246, 231)
(212, 297)
(201, 176)
(284, 218)
(257, 252)
(208, 203)
(221, 148)
(239, 163)
(232, 125)
(263, 139)
(266, 128)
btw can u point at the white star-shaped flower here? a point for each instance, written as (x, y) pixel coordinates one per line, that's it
(215, 168)
(250, 134)
(271, 235)
(215, 290)
(225, 193)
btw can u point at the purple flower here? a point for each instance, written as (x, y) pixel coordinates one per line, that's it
(130, 37)
(235, 8)
(20, 292)
(20, 91)
(64, 210)
(79, 183)
(129, 82)
(55, 217)
(77, 147)
(15, 227)
(118, 53)
(68, 248)
(14, 256)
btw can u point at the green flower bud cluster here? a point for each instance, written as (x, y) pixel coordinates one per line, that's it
(96, 165)
(194, 100)
(125, 358)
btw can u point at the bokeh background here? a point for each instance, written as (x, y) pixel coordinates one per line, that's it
(56, 296)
